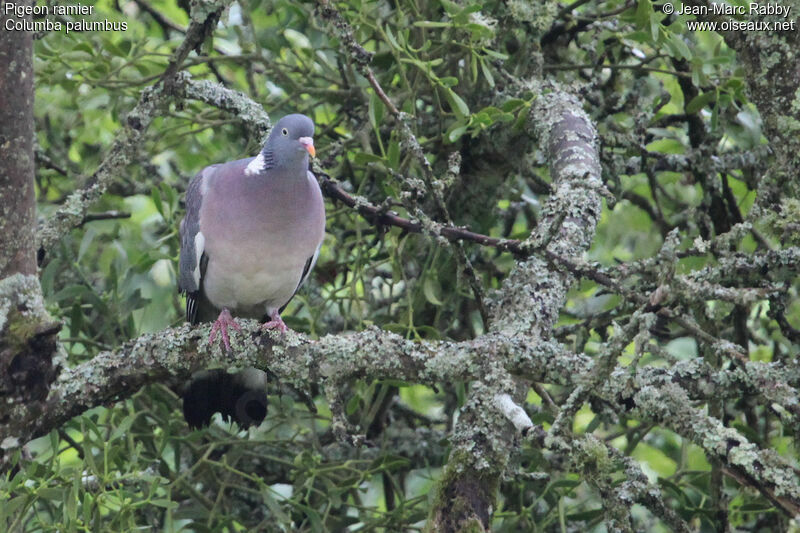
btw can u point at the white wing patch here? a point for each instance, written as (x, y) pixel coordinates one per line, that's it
(199, 246)
(256, 166)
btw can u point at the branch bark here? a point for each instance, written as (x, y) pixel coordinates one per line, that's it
(17, 198)
(27, 333)
(526, 308)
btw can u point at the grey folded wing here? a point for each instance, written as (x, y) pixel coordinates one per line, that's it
(192, 262)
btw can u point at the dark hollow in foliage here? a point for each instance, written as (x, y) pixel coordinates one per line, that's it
(230, 395)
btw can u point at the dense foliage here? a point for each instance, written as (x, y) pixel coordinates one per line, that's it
(683, 156)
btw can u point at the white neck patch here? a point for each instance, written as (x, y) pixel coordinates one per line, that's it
(256, 166)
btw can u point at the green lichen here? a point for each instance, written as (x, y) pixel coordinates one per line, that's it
(539, 14)
(784, 222)
(201, 9)
(459, 472)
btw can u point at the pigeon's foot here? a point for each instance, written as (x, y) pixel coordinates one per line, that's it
(276, 322)
(221, 324)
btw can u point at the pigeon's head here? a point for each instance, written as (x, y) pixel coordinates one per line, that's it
(290, 141)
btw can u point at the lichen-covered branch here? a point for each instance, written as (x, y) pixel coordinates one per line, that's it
(172, 355)
(526, 307)
(534, 293)
(239, 105)
(669, 405)
(29, 356)
(76, 206)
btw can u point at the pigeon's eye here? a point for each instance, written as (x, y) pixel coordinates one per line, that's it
(285, 132)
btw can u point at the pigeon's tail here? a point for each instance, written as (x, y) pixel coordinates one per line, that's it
(239, 397)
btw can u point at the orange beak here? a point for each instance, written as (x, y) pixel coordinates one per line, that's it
(308, 143)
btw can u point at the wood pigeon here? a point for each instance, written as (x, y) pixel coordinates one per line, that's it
(251, 235)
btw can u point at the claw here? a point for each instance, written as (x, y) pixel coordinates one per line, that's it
(276, 322)
(221, 325)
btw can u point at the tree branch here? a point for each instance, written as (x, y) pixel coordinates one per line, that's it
(17, 254)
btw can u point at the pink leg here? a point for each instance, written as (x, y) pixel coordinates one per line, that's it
(221, 324)
(275, 322)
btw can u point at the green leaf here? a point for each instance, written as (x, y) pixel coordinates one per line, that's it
(376, 111)
(87, 506)
(297, 39)
(77, 55)
(71, 293)
(392, 39)
(756, 507)
(9, 507)
(51, 494)
(431, 24)
(362, 158)
(123, 427)
(644, 11)
(487, 73)
(393, 154)
(432, 290)
(456, 131)
(512, 105)
(495, 54)
(352, 404)
(565, 483)
(274, 506)
(389, 462)
(458, 105)
(479, 31)
(715, 118)
(451, 8)
(85, 46)
(473, 66)
(666, 146)
(679, 47)
(314, 518)
(165, 503)
(86, 241)
(71, 499)
(594, 424)
(655, 26)
(156, 197)
(700, 101)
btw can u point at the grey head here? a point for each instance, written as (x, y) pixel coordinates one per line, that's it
(288, 145)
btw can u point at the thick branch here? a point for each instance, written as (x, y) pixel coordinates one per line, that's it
(17, 211)
(526, 308)
(534, 293)
(172, 355)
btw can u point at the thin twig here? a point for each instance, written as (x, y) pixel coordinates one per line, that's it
(106, 215)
